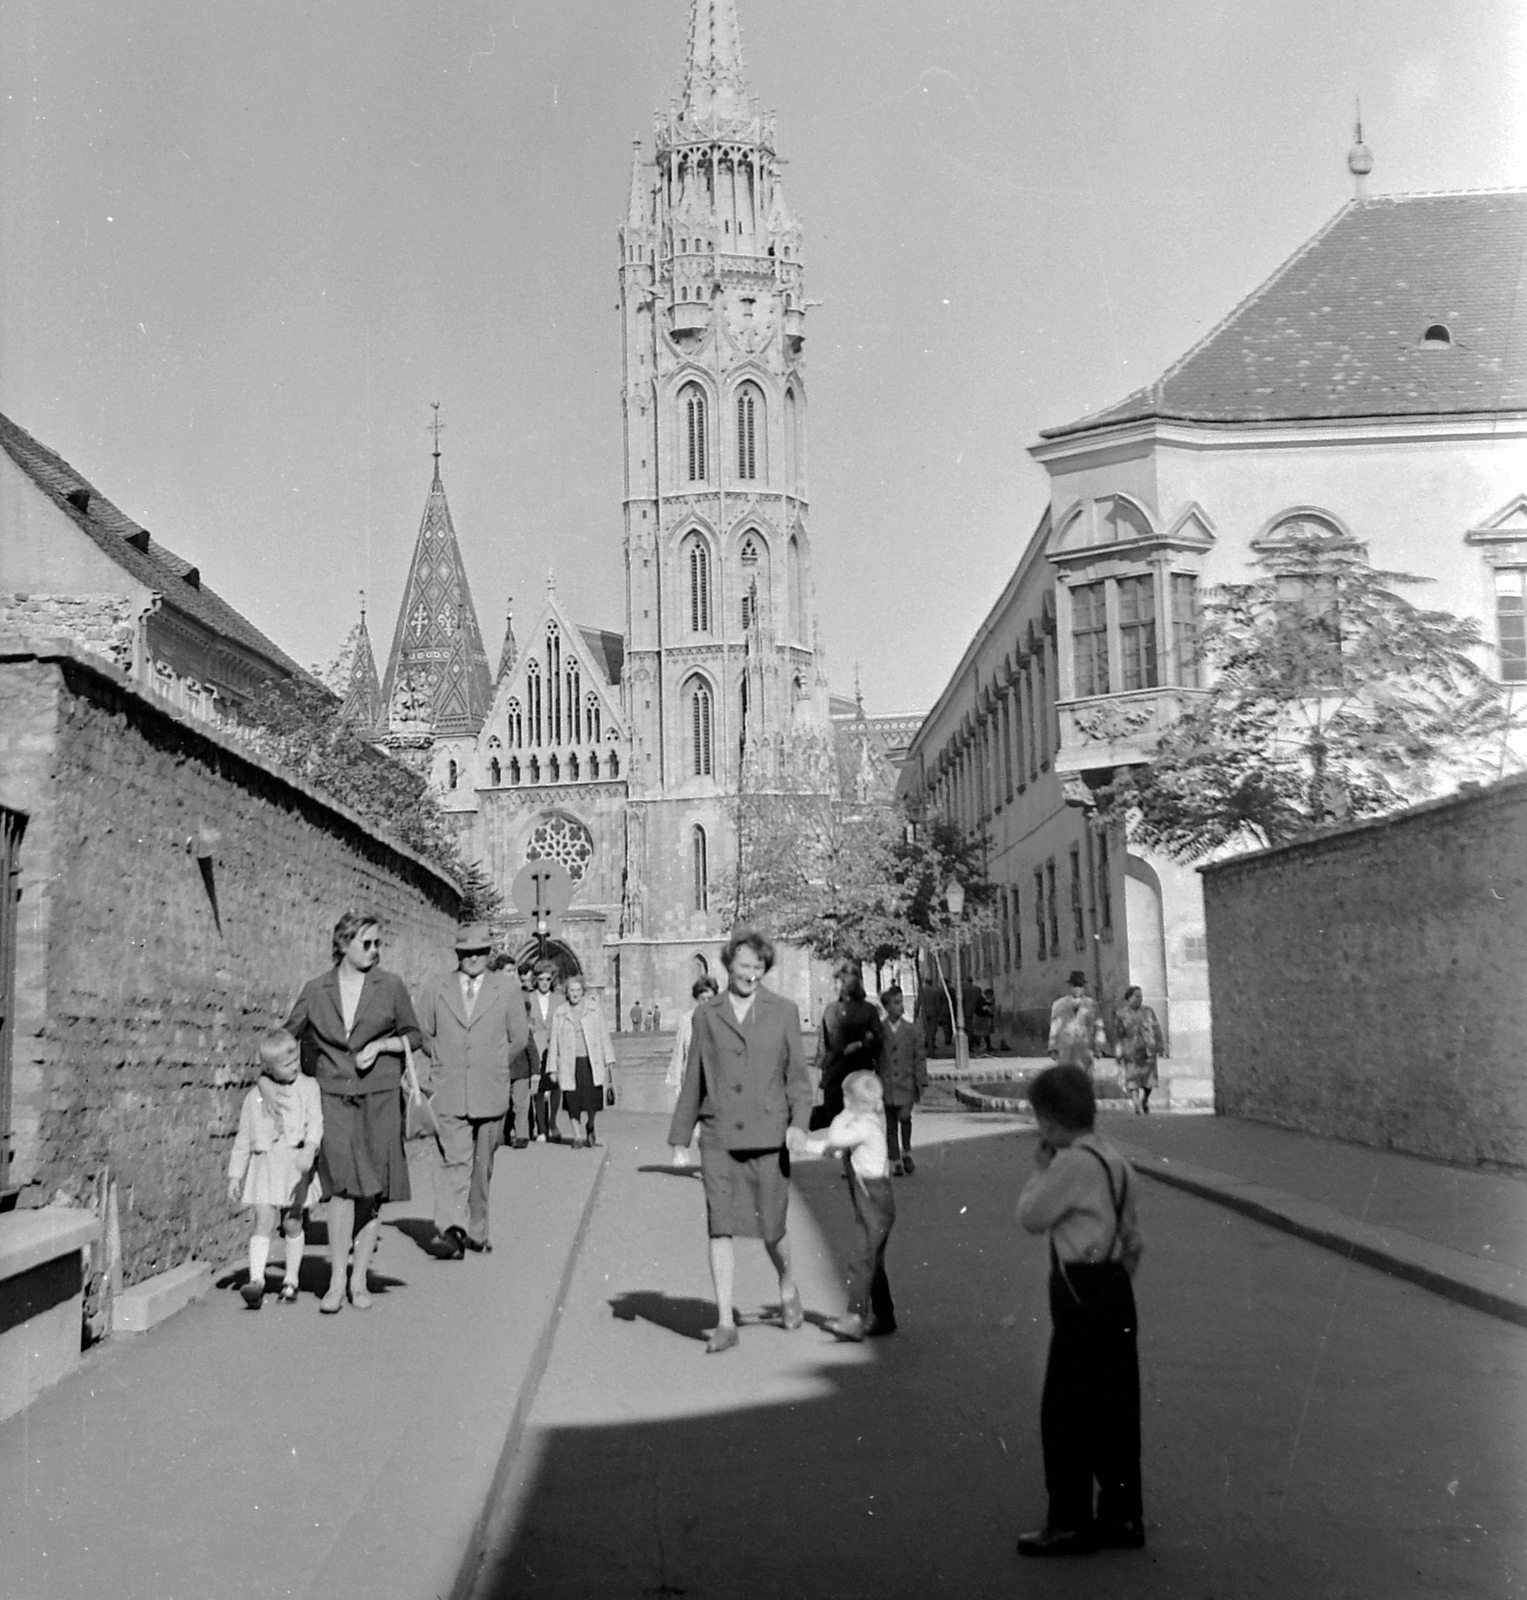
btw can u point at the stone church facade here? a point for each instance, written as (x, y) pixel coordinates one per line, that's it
(621, 755)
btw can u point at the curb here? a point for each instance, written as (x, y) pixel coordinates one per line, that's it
(477, 1545)
(1487, 1286)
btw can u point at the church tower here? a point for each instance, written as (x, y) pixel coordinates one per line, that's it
(722, 658)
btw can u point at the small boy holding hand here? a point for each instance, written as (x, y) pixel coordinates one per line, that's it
(857, 1133)
(1089, 1418)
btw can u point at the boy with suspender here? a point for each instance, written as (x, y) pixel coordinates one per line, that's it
(1083, 1197)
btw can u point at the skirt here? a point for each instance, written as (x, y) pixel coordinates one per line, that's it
(746, 1191)
(585, 1096)
(361, 1157)
(1141, 1072)
(274, 1178)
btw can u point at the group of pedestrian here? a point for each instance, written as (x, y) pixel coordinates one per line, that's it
(325, 1121)
(1078, 1034)
(746, 1087)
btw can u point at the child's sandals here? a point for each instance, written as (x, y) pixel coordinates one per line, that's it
(288, 1295)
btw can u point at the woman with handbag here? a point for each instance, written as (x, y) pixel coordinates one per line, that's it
(580, 1059)
(1137, 1044)
(354, 1023)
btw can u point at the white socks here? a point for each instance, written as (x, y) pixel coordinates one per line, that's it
(259, 1254)
(294, 1247)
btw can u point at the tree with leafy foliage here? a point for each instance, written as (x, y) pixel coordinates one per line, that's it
(296, 724)
(1330, 696)
(832, 863)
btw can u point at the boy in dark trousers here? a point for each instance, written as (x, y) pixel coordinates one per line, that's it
(1089, 1419)
(903, 1069)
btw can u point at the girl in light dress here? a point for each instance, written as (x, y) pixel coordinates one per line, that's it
(271, 1168)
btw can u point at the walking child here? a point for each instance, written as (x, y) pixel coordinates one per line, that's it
(903, 1069)
(1089, 1419)
(857, 1133)
(271, 1168)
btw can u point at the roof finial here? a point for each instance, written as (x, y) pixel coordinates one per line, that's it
(1360, 158)
(363, 605)
(436, 427)
(551, 579)
(858, 690)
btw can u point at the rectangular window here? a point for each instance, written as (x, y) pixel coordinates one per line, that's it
(1053, 905)
(1007, 744)
(1511, 623)
(1017, 929)
(12, 824)
(1007, 936)
(1078, 920)
(1089, 639)
(1185, 628)
(1137, 631)
(1105, 889)
(1040, 943)
(1313, 610)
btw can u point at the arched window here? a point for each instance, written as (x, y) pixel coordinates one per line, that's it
(614, 765)
(553, 683)
(695, 435)
(700, 868)
(533, 697)
(700, 729)
(792, 441)
(515, 733)
(452, 773)
(574, 703)
(591, 717)
(514, 770)
(495, 773)
(594, 766)
(797, 599)
(535, 769)
(572, 768)
(750, 418)
(698, 565)
(553, 770)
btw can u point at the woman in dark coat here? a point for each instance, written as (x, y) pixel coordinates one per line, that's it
(1137, 1044)
(352, 1023)
(850, 1039)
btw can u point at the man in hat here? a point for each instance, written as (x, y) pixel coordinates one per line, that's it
(1076, 1026)
(474, 1027)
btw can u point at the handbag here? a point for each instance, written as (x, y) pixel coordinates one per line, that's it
(609, 1094)
(419, 1119)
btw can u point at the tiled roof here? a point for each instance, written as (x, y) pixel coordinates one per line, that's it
(175, 579)
(608, 649)
(1337, 330)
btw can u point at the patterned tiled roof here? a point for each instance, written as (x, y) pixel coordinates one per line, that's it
(1339, 329)
(133, 549)
(437, 657)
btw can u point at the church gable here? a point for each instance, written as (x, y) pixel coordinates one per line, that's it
(555, 719)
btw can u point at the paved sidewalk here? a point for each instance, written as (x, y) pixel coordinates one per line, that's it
(1458, 1231)
(283, 1453)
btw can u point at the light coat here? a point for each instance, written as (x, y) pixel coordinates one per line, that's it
(903, 1064)
(746, 1084)
(471, 1060)
(562, 1060)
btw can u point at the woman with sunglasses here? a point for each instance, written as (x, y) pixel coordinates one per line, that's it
(352, 1023)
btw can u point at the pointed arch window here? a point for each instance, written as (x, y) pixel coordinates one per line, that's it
(614, 765)
(591, 718)
(452, 774)
(535, 769)
(572, 768)
(696, 436)
(514, 734)
(594, 766)
(574, 704)
(698, 567)
(797, 599)
(514, 770)
(533, 700)
(701, 740)
(700, 868)
(750, 418)
(495, 772)
(792, 441)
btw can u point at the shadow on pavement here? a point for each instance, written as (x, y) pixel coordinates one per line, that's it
(689, 1318)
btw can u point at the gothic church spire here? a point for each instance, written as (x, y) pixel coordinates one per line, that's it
(437, 681)
(715, 93)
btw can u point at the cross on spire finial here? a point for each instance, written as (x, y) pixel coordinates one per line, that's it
(436, 427)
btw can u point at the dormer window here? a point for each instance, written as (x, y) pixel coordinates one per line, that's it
(1438, 334)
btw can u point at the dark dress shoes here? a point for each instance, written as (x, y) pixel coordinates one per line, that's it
(879, 1327)
(1121, 1535)
(452, 1245)
(481, 1247)
(254, 1294)
(1057, 1542)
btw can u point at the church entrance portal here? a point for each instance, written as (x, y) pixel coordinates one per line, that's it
(568, 965)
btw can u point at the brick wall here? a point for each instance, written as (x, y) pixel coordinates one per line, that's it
(145, 975)
(1369, 984)
(104, 624)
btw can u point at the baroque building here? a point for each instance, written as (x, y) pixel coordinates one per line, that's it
(621, 754)
(1375, 385)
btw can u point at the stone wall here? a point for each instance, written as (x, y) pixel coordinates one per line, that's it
(1369, 984)
(175, 894)
(106, 625)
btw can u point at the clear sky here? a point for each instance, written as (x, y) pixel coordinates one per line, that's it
(244, 246)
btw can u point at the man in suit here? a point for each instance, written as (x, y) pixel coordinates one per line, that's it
(545, 1095)
(747, 1086)
(474, 1026)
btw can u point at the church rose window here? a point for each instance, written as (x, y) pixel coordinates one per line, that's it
(563, 839)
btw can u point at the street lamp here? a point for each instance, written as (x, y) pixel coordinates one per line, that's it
(954, 898)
